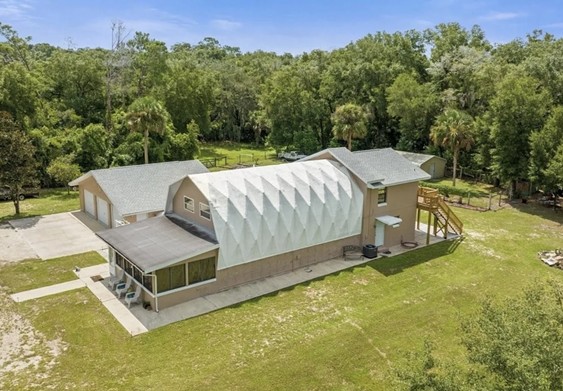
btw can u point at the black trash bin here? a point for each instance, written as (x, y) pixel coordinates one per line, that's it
(370, 251)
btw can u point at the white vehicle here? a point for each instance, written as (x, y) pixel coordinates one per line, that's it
(291, 156)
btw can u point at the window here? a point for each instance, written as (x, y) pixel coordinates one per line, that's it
(188, 204)
(171, 278)
(119, 260)
(204, 211)
(382, 196)
(201, 270)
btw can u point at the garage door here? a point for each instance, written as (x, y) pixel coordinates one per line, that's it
(103, 211)
(89, 203)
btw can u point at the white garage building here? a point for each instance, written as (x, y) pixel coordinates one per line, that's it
(119, 195)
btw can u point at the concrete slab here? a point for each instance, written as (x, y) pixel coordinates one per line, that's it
(47, 290)
(56, 235)
(13, 247)
(86, 273)
(125, 317)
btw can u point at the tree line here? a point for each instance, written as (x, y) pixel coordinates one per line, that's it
(496, 110)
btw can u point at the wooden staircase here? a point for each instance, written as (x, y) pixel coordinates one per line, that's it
(445, 220)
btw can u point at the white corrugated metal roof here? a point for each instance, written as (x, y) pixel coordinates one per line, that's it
(264, 211)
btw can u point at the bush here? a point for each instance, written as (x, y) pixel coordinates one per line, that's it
(449, 191)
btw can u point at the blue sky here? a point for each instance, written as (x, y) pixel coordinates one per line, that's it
(282, 26)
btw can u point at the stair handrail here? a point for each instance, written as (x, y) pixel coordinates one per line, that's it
(453, 219)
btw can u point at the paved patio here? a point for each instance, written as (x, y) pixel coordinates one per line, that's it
(49, 236)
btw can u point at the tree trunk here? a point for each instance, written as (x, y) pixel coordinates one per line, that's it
(17, 205)
(350, 141)
(456, 153)
(146, 146)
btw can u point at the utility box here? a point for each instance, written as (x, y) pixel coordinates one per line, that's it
(369, 251)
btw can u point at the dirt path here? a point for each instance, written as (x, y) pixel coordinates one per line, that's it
(22, 347)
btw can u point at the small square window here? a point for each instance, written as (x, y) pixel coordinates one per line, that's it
(382, 196)
(204, 211)
(188, 204)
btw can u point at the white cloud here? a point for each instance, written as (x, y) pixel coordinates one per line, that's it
(501, 16)
(225, 25)
(15, 10)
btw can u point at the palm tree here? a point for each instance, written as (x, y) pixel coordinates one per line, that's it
(349, 122)
(147, 115)
(453, 129)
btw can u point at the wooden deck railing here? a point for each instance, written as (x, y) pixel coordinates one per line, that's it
(431, 201)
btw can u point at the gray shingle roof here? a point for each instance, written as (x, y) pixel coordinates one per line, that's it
(156, 243)
(141, 188)
(417, 158)
(377, 165)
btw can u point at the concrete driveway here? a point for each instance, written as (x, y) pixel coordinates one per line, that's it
(47, 237)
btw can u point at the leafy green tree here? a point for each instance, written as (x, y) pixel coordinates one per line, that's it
(447, 37)
(544, 145)
(453, 129)
(94, 145)
(349, 121)
(18, 91)
(190, 94)
(513, 345)
(185, 146)
(63, 170)
(147, 115)
(17, 164)
(148, 65)
(518, 109)
(415, 104)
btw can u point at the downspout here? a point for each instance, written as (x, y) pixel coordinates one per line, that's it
(155, 287)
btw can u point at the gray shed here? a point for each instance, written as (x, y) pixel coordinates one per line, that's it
(433, 165)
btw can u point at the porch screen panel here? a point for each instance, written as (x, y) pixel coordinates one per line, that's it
(163, 280)
(177, 276)
(201, 270)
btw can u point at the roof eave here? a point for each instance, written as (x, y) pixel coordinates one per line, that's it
(81, 178)
(179, 259)
(408, 181)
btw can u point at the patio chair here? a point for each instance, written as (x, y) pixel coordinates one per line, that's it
(123, 287)
(115, 280)
(133, 297)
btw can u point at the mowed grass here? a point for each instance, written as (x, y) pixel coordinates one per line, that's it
(33, 273)
(238, 153)
(345, 331)
(49, 201)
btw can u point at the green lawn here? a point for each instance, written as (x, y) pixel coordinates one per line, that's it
(49, 201)
(33, 273)
(237, 153)
(345, 331)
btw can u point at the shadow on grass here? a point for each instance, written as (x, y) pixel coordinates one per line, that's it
(543, 211)
(389, 266)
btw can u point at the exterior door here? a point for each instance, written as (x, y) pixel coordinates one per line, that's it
(103, 212)
(433, 170)
(379, 233)
(89, 203)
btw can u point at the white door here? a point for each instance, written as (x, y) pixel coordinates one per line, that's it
(433, 170)
(103, 212)
(89, 203)
(379, 233)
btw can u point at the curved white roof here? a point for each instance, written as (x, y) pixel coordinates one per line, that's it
(264, 211)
